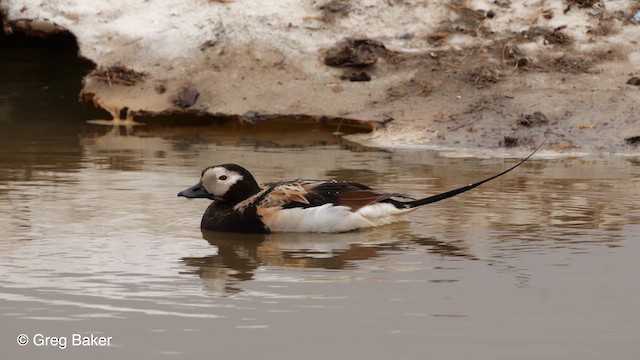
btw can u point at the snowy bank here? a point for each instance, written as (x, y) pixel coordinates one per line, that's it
(446, 72)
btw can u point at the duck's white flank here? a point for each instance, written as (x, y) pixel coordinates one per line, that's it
(328, 218)
(382, 213)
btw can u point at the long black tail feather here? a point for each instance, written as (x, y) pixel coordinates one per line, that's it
(448, 194)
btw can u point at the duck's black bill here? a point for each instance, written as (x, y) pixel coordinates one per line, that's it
(195, 192)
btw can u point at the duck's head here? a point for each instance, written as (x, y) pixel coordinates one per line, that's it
(225, 183)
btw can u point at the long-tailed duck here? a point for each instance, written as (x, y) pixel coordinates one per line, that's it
(328, 206)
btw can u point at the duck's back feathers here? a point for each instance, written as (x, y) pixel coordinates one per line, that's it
(310, 193)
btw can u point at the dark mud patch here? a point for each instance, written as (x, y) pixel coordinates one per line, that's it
(118, 74)
(437, 39)
(582, 4)
(355, 53)
(356, 76)
(513, 56)
(509, 142)
(632, 140)
(493, 62)
(557, 37)
(532, 120)
(334, 9)
(494, 103)
(485, 75)
(570, 64)
(413, 87)
(468, 20)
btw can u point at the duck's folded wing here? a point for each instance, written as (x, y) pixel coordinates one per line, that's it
(357, 198)
(310, 193)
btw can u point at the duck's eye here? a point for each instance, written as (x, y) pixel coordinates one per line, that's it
(222, 177)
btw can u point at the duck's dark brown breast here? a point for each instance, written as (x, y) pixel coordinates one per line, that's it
(219, 217)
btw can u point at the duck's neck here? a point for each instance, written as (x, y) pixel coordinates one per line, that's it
(241, 191)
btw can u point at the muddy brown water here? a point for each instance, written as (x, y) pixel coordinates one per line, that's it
(539, 264)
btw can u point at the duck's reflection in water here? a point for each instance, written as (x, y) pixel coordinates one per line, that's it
(240, 255)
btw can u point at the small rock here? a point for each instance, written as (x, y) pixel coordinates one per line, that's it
(252, 117)
(535, 119)
(484, 75)
(582, 4)
(510, 141)
(636, 17)
(355, 53)
(632, 140)
(186, 98)
(208, 44)
(634, 81)
(118, 74)
(557, 37)
(160, 89)
(437, 39)
(336, 6)
(386, 118)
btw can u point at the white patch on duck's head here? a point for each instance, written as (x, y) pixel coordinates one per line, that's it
(218, 180)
